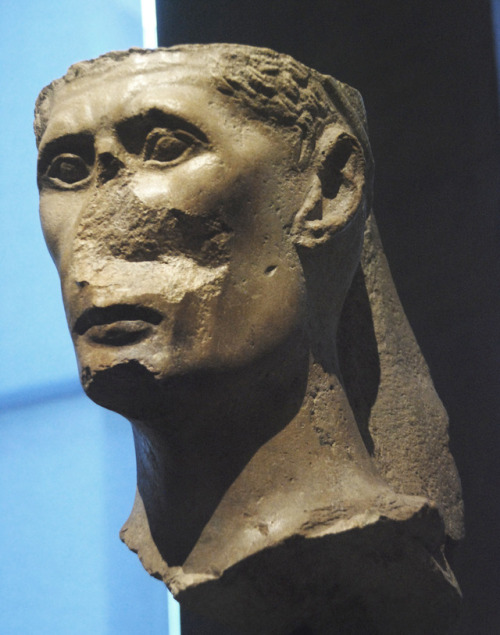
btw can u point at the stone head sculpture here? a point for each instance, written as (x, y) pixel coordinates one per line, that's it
(206, 207)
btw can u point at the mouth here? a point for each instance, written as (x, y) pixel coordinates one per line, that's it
(117, 325)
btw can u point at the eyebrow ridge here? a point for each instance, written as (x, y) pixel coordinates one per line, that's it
(133, 130)
(80, 142)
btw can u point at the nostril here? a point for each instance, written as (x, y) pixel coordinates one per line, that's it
(81, 284)
(108, 166)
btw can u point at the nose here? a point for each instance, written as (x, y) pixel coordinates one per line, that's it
(108, 166)
(114, 224)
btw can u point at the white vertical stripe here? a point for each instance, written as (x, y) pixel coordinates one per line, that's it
(174, 616)
(149, 35)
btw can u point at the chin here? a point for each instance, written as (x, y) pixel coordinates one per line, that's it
(128, 388)
(131, 388)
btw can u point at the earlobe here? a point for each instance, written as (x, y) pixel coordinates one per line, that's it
(336, 189)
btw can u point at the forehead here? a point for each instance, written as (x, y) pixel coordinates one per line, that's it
(102, 100)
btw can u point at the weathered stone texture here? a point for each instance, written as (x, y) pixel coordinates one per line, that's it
(209, 212)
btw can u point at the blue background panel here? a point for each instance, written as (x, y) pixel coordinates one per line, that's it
(67, 467)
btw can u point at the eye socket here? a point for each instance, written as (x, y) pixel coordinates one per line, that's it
(169, 146)
(68, 169)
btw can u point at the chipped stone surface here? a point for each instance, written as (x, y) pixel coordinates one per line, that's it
(209, 212)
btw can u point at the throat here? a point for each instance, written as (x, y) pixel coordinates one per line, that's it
(235, 486)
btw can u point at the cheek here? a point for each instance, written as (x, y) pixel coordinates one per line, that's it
(263, 302)
(196, 186)
(254, 324)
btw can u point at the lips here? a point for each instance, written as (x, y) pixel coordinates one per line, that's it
(117, 325)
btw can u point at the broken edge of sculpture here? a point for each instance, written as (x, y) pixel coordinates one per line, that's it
(205, 208)
(397, 552)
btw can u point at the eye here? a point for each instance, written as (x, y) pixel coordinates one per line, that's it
(67, 169)
(169, 146)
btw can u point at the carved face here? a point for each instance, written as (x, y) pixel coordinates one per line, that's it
(164, 209)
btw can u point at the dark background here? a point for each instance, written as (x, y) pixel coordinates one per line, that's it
(426, 70)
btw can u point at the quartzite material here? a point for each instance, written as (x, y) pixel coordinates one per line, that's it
(209, 212)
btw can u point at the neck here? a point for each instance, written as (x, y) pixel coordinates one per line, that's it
(222, 476)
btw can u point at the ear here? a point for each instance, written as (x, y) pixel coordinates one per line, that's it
(336, 187)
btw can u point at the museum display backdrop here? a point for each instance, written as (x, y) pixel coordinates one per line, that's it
(208, 210)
